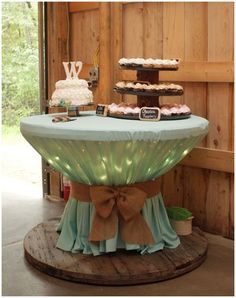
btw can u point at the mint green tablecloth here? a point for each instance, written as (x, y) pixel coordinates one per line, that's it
(107, 151)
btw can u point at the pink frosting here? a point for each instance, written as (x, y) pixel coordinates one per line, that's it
(184, 109)
(115, 108)
(174, 110)
(165, 111)
(121, 109)
(128, 110)
(136, 110)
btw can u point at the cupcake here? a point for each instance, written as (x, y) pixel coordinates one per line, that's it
(149, 63)
(120, 85)
(123, 61)
(150, 88)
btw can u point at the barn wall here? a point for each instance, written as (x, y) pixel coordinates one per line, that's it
(201, 35)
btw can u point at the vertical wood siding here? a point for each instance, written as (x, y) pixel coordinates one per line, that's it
(201, 35)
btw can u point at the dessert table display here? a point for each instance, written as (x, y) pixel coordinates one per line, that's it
(114, 229)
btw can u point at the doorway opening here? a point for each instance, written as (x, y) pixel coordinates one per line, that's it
(21, 164)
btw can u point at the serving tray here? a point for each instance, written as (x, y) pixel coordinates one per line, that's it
(149, 93)
(139, 67)
(64, 106)
(136, 117)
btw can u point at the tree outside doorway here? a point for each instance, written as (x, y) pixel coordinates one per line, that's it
(21, 164)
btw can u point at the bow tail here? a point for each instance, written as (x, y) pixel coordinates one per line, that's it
(136, 231)
(103, 228)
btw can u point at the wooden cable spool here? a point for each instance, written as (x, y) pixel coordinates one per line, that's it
(119, 268)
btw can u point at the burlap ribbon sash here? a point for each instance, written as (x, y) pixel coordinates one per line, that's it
(118, 205)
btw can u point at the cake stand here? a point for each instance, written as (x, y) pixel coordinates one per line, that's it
(151, 75)
(58, 109)
(106, 151)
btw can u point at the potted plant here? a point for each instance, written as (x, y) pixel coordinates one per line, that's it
(180, 219)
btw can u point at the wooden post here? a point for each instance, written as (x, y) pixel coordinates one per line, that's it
(153, 78)
(57, 51)
(105, 54)
(116, 46)
(57, 42)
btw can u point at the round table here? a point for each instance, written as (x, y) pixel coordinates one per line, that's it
(97, 150)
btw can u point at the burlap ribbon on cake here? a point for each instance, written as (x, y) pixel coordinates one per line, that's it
(120, 205)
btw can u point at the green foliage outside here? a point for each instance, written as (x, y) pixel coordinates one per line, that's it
(20, 82)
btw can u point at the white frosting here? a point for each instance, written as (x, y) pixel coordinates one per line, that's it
(123, 61)
(149, 87)
(149, 61)
(71, 83)
(138, 86)
(130, 85)
(120, 84)
(71, 91)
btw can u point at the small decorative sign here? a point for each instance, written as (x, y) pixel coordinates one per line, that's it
(102, 110)
(73, 111)
(150, 114)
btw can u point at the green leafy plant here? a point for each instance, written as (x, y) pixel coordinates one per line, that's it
(178, 213)
(20, 78)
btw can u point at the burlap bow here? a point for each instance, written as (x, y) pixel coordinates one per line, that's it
(119, 205)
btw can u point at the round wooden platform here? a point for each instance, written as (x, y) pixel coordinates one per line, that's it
(118, 268)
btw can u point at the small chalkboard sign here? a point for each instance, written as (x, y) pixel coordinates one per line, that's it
(102, 110)
(150, 114)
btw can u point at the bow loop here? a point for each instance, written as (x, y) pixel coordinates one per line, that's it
(103, 198)
(114, 202)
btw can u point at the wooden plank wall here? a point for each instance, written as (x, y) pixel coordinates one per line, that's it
(201, 35)
(57, 49)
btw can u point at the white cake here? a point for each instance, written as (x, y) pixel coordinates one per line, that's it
(71, 91)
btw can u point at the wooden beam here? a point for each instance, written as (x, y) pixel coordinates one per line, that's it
(194, 72)
(217, 160)
(82, 6)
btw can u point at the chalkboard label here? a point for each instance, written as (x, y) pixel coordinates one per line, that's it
(102, 110)
(150, 114)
